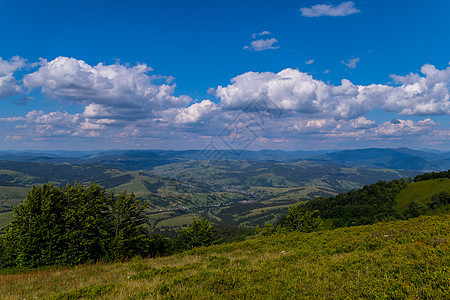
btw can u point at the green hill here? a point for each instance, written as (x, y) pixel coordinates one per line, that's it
(396, 260)
(421, 192)
(396, 199)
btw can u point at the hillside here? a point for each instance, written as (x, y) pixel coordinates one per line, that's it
(421, 192)
(402, 259)
(231, 192)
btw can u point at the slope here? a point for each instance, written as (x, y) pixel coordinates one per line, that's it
(421, 192)
(402, 259)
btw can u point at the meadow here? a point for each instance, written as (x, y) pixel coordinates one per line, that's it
(395, 260)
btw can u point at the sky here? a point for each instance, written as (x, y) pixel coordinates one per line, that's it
(290, 75)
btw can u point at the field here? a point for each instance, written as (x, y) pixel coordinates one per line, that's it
(396, 260)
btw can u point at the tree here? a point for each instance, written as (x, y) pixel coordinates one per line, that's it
(200, 233)
(55, 226)
(299, 218)
(439, 199)
(414, 210)
(87, 221)
(128, 222)
(35, 236)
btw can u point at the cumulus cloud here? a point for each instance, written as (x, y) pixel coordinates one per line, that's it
(295, 91)
(126, 92)
(260, 45)
(8, 84)
(403, 128)
(125, 103)
(37, 124)
(308, 62)
(195, 112)
(365, 129)
(327, 126)
(341, 10)
(351, 63)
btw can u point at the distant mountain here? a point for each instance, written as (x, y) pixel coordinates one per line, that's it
(133, 160)
(401, 158)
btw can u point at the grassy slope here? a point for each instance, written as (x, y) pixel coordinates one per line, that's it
(420, 192)
(403, 259)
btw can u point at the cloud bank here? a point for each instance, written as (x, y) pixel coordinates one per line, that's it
(122, 104)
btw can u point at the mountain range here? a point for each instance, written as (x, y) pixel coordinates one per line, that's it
(390, 158)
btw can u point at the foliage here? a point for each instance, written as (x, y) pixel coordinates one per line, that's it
(414, 210)
(200, 233)
(368, 205)
(439, 199)
(233, 233)
(432, 175)
(127, 220)
(56, 226)
(433, 203)
(299, 218)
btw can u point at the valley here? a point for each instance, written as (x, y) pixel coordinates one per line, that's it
(250, 189)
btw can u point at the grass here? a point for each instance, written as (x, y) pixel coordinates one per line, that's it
(179, 221)
(396, 260)
(12, 195)
(420, 192)
(5, 218)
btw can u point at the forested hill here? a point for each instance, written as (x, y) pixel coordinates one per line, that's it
(428, 193)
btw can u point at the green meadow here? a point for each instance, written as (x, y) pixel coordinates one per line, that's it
(395, 260)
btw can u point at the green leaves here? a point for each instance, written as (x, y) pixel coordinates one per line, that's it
(299, 218)
(200, 233)
(56, 226)
(128, 219)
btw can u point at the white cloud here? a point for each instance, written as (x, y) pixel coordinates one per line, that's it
(292, 90)
(351, 63)
(265, 32)
(341, 10)
(125, 92)
(195, 112)
(260, 45)
(403, 128)
(361, 128)
(123, 105)
(39, 124)
(8, 84)
(362, 123)
(330, 126)
(308, 62)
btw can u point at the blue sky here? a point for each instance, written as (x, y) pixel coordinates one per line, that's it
(294, 75)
